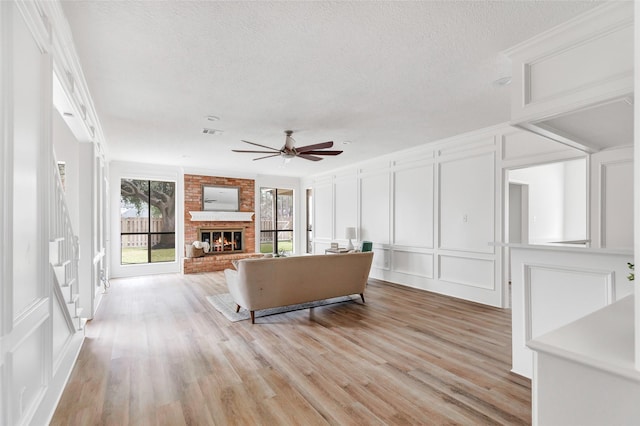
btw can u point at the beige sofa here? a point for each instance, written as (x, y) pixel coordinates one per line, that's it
(271, 282)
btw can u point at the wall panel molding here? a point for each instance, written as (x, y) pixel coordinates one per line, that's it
(381, 259)
(32, 376)
(467, 271)
(467, 148)
(6, 177)
(595, 288)
(346, 206)
(611, 180)
(400, 196)
(413, 162)
(614, 212)
(467, 213)
(413, 206)
(375, 207)
(413, 263)
(375, 168)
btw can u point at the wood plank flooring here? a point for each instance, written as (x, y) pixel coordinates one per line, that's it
(157, 353)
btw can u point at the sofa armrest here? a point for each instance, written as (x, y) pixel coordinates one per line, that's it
(234, 287)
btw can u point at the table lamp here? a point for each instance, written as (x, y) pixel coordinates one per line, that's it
(350, 233)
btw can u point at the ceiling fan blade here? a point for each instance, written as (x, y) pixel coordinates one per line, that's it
(315, 146)
(266, 156)
(255, 152)
(262, 146)
(309, 157)
(314, 152)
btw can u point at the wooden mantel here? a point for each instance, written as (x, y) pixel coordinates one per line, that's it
(215, 216)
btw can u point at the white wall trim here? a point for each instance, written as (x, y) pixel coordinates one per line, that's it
(608, 288)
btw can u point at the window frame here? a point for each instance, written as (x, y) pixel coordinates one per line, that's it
(150, 233)
(274, 232)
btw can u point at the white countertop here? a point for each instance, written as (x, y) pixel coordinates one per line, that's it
(603, 340)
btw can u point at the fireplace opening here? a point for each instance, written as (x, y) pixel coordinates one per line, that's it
(223, 240)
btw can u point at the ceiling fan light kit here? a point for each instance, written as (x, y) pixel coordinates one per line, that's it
(289, 151)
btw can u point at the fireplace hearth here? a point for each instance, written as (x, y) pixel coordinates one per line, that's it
(223, 241)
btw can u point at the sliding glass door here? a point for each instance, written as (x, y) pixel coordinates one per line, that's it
(276, 220)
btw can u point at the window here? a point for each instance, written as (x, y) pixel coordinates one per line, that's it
(276, 220)
(147, 221)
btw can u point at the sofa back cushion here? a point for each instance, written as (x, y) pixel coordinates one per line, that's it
(299, 279)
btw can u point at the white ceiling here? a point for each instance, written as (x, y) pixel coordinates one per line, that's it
(384, 75)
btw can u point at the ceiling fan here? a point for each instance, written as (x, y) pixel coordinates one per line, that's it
(289, 151)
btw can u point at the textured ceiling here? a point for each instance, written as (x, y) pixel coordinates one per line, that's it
(384, 75)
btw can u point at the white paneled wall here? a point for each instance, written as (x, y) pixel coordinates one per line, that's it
(413, 208)
(556, 286)
(39, 342)
(473, 272)
(346, 213)
(413, 262)
(467, 203)
(430, 212)
(25, 306)
(323, 222)
(612, 195)
(433, 211)
(375, 198)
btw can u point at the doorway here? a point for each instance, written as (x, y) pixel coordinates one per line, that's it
(309, 225)
(518, 213)
(544, 204)
(276, 221)
(518, 228)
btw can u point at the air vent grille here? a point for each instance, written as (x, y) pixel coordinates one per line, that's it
(208, 131)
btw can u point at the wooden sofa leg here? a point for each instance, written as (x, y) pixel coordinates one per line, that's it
(253, 317)
(237, 308)
(362, 297)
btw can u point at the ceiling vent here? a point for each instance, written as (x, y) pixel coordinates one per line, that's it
(207, 131)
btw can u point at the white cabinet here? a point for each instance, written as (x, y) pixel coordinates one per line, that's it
(574, 83)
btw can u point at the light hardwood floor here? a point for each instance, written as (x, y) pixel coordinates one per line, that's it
(158, 353)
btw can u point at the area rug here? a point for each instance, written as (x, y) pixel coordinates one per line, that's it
(226, 306)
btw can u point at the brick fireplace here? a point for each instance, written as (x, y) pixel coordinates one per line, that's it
(217, 260)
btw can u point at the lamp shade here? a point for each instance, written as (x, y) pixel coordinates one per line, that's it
(350, 232)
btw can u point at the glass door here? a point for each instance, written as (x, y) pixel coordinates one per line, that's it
(276, 220)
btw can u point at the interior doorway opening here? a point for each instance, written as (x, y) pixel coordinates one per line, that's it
(545, 204)
(309, 225)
